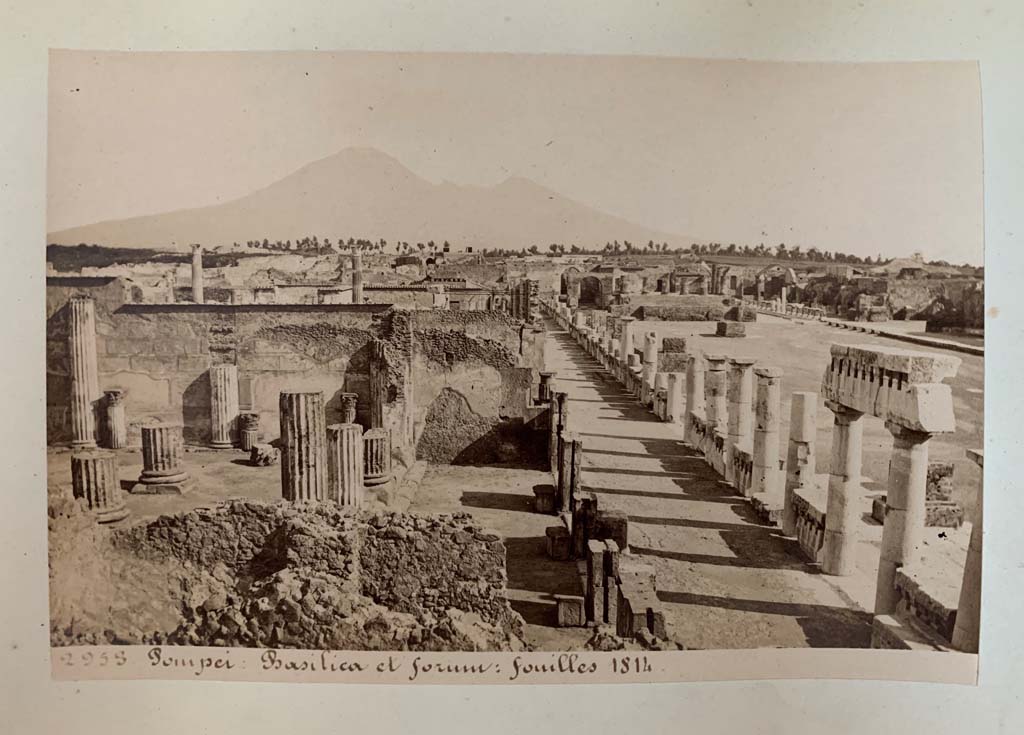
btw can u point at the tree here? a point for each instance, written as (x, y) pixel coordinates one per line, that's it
(534, 249)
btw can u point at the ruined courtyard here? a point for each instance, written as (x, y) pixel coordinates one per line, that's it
(549, 461)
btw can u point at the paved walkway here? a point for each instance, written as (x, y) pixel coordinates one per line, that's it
(727, 580)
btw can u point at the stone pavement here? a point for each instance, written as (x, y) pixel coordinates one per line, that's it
(727, 580)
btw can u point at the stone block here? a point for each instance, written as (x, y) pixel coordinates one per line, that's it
(943, 514)
(940, 481)
(559, 542)
(162, 488)
(673, 344)
(613, 525)
(570, 612)
(637, 573)
(544, 499)
(730, 329)
(610, 610)
(264, 455)
(151, 364)
(193, 363)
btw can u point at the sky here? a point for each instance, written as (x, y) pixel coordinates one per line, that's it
(861, 158)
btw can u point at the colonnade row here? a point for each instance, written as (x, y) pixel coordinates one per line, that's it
(798, 310)
(729, 409)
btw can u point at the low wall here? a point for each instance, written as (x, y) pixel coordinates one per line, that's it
(675, 307)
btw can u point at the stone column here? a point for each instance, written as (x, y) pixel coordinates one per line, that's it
(650, 367)
(303, 446)
(740, 396)
(765, 477)
(85, 386)
(544, 389)
(694, 394)
(377, 458)
(248, 430)
(903, 530)
(223, 405)
(559, 421)
(800, 459)
(717, 406)
(345, 464)
(379, 382)
(357, 277)
(348, 407)
(968, 609)
(162, 472)
(569, 471)
(94, 479)
(197, 274)
(117, 424)
(674, 398)
(783, 298)
(842, 512)
(626, 338)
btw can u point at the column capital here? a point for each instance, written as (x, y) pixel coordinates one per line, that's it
(843, 411)
(741, 362)
(909, 436)
(715, 362)
(768, 372)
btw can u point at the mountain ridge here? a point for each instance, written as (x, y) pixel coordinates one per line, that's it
(365, 193)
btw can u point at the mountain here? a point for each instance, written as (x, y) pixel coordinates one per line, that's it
(363, 193)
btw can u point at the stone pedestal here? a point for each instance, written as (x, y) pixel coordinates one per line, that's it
(162, 472)
(345, 464)
(85, 387)
(674, 401)
(765, 477)
(903, 531)
(223, 406)
(694, 394)
(968, 609)
(348, 407)
(94, 479)
(740, 396)
(842, 513)
(116, 422)
(303, 446)
(800, 457)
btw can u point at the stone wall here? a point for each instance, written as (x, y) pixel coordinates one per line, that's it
(161, 354)
(675, 307)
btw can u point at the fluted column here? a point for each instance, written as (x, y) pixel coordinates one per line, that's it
(345, 464)
(223, 405)
(197, 274)
(800, 456)
(740, 396)
(303, 446)
(694, 394)
(968, 609)
(248, 430)
(674, 397)
(349, 401)
(765, 477)
(85, 385)
(716, 404)
(376, 458)
(94, 479)
(162, 471)
(117, 423)
(903, 530)
(842, 513)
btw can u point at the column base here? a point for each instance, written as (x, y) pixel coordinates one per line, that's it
(110, 515)
(169, 485)
(224, 445)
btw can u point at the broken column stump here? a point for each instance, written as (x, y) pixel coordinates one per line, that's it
(162, 472)
(94, 479)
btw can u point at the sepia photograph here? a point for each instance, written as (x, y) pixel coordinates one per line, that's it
(512, 353)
